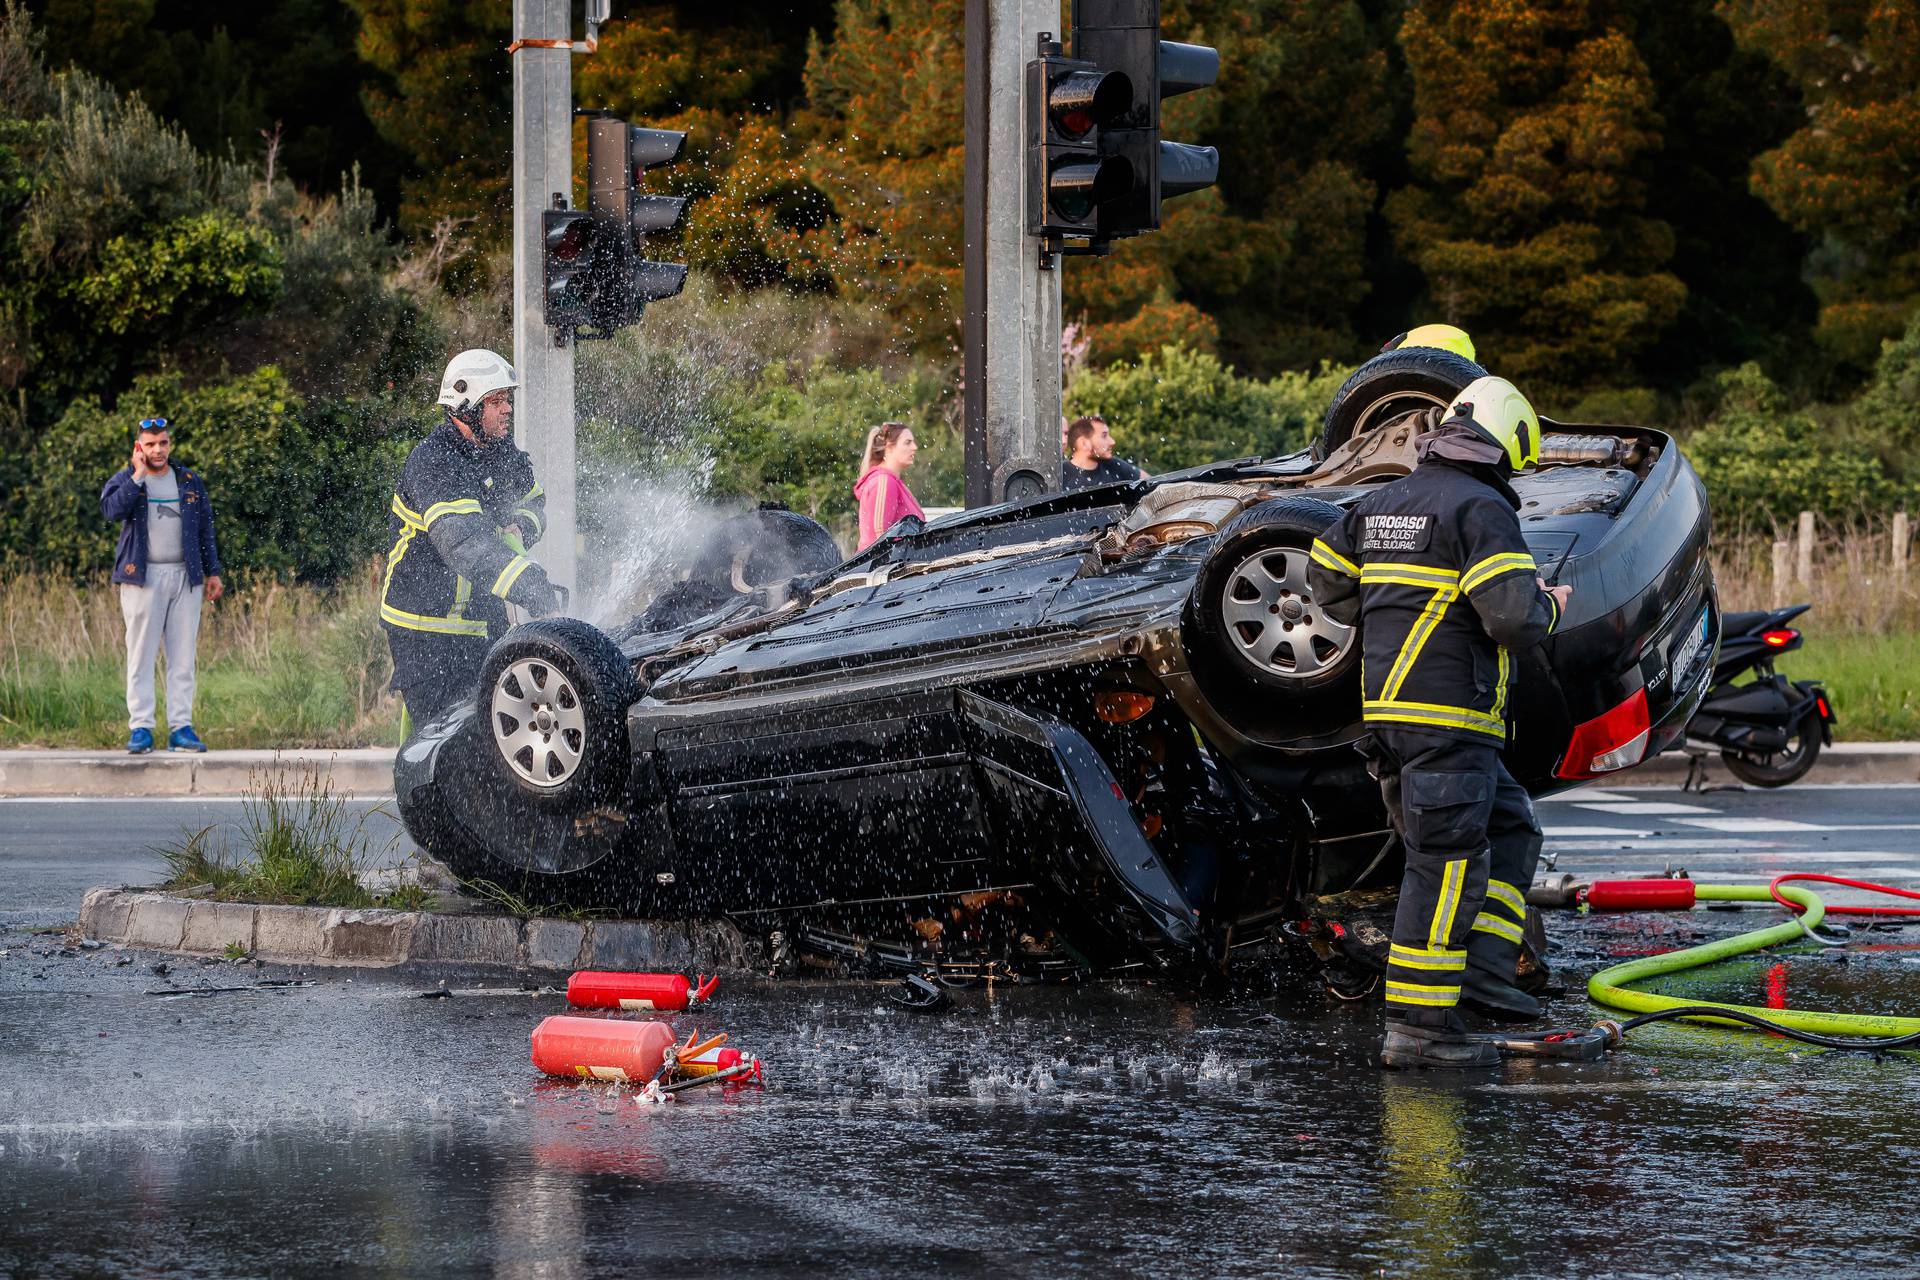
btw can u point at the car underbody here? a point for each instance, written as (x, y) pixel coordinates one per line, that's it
(1096, 732)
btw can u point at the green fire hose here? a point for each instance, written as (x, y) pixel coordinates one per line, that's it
(1609, 986)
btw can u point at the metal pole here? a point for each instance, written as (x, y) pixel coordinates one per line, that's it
(1011, 330)
(542, 175)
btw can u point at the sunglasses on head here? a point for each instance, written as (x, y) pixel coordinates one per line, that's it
(153, 424)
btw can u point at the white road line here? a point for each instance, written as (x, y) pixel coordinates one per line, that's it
(1752, 824)
(1658, 808)
(1585, 793)
(1598, 846)
(160, 799)
(1874, 826)
(1561, 833)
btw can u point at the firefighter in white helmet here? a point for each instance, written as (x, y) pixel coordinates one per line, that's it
(1436, 573)
(465, 510)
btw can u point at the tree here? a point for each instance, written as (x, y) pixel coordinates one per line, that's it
(1849, 175)
(444, 98)
(1533, 126)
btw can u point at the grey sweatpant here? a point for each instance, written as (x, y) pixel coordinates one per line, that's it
(165, 611)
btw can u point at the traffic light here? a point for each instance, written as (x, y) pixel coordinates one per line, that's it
(618, 158)
(1067, 176)
(1123, 36)
(569, 239)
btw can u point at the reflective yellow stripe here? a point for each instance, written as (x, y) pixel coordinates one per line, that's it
(509, 575)
(441, 626)
(1496, 566)
(1508, 896)
(1428, 713)
(1453, 878)
(459, 506)
(1322, 554)
(539, 524)
(462, 592)
(1497, 926)
(1422, 958)
(1428, 575)
(1414, 993)
(1500, 688)
(1553, 612)
(393, 560)
(407, 514)
(1417, 637)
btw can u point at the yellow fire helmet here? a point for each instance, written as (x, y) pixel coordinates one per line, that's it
(1497, 409)
(1443, 336)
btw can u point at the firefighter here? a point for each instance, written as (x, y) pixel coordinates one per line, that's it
(1434, 570)
(464, 512)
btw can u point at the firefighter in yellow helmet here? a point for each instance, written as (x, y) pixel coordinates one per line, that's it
(1433, 569)
(1444, 337)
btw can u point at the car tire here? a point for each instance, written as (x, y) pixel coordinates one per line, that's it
(553, 702)
(1390, 385)
(1251, 620)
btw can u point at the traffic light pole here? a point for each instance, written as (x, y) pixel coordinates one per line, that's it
(543, 174)
(1011, 327)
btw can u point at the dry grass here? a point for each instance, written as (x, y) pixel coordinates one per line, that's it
(279, 666)
(1853, 588)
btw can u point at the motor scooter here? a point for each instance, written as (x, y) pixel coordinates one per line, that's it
(1769, 729)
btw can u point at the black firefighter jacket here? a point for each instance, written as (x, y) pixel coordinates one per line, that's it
(1435, 571)
(450, 573)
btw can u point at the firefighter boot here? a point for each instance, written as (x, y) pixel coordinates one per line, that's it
(1488, 984)
(1434, 1038)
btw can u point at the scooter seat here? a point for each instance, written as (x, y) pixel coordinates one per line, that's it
(1738, 624)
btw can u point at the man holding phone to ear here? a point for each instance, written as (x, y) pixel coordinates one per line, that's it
(165, 564)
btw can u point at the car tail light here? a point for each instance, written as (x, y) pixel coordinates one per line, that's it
(1614, 741)
(1121, 706)
(1779, 639)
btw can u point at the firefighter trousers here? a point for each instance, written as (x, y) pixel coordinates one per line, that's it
(1472, 845)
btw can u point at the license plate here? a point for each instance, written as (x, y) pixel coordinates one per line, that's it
(1688, 649)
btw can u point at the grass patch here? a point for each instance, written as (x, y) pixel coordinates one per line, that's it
(515, 905)
(299, 844)
(1873, 680)
(279, 667)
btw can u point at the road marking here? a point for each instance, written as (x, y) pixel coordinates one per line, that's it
(1752, 824)
(1596, 846)
(1585, 793)
(1646, 810)
(1566, 832)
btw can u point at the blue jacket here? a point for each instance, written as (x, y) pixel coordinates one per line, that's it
(125, 501)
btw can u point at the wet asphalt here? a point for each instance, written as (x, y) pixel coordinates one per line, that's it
(1096, 1130)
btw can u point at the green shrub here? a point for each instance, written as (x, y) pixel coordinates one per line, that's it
(1179, 408)
(1762, 459)
(298, 489)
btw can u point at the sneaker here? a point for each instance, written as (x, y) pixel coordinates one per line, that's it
(185, 739)
(140, 742)
(1444, 1047)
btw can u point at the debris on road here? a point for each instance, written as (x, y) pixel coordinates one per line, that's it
(667, 992)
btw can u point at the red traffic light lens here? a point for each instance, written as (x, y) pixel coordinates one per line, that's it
(1779, 639)
(1076, 122)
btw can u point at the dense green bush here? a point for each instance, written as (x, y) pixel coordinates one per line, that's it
(298, 489)
(1763, 459)
(1180, 407)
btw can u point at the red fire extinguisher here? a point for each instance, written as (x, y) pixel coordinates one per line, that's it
(668, 992)
(601, 1048)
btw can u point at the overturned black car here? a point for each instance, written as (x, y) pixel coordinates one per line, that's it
(1089, 732)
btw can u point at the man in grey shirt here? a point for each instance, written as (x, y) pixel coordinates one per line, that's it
(165, 564)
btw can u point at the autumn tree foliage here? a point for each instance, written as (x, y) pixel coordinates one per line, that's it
(1269, 267)
(1851, 175)
(1532, 125)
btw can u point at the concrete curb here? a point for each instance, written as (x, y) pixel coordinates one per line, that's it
(335, 936)
(1854, 762)
(363, 771)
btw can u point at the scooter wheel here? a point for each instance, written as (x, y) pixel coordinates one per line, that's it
(1782, 767)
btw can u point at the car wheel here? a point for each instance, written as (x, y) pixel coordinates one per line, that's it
(1252, 617)
(1389, 386)
(554, 693)
(1782, 767)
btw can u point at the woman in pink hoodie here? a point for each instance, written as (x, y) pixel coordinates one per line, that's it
(882, 487)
